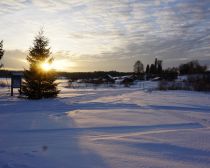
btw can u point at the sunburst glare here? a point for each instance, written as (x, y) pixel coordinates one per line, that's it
(46, 66)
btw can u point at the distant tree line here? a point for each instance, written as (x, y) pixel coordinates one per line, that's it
(91, 75)
(196, 75)
(75, 75)
(7, 73)
(192, 67)
(156, 70)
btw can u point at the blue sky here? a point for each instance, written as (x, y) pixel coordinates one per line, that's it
(107, 35)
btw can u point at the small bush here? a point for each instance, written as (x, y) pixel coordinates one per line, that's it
(163, 85)
(201, 86)
(196, 83)
(173, 85)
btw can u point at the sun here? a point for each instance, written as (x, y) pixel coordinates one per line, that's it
(46, 66)
(58, 65)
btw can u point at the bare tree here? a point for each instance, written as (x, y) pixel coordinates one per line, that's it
(138, 67)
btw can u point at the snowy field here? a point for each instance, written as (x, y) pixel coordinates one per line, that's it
(106, 128)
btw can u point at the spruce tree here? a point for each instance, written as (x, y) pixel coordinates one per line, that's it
(39, 83)
(148, 69)
(152, 69)
(159, 69)
(156, 65)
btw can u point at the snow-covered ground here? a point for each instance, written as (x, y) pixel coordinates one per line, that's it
(106, 128)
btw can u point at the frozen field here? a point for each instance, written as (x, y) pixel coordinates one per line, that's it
(106, 128)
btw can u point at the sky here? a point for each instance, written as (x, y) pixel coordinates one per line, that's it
(92, 35)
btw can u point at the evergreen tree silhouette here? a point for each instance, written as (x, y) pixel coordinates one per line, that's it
(147, 69)
(39, 83)
(1, 52)
(152, 69)
(159, 67)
